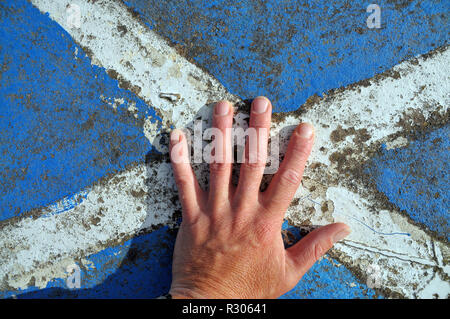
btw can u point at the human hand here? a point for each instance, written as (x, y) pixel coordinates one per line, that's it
(229, 244)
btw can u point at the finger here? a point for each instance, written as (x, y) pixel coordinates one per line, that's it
(301, 256)
(255, 156)
(286, 181)
(220, 165)
(190, 193)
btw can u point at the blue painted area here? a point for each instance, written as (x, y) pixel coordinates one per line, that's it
(416, 179)
(290, 50)
(141, 268)
(57, 135)
(326, 280)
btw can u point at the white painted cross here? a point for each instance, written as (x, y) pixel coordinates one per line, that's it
(43, 247)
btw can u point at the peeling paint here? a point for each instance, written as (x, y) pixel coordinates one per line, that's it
(290, 50)
(352, 123)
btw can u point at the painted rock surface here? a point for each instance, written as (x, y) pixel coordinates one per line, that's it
(89, 91)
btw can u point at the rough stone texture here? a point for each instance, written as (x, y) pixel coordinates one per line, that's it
(353, 126)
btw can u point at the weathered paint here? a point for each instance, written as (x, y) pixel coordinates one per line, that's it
(139, 59)
(416, 254)
(59, 133)
(290, 50)
(394, 108)
(78, 214)
(329, 279)
(109, 223)
(141, 268)
(415, 178)
(113, 211)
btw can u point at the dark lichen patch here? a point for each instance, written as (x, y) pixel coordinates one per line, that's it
(362, 135)
(138, 194)
(100, 212)
(122, 30)
(289, 238)
(342, 159)
(32, 282)
(339, 134)
(95, 220)
(436, 141)
(414, 124)
(324, 208)
(123, 84)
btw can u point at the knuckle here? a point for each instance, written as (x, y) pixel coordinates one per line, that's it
(190, 219)
(182, 180)
(300, 149)
(290, 178)
(260, 122)
(254, 166)
(320, 249)
(317, 251)
(219, 167)
(264, 232)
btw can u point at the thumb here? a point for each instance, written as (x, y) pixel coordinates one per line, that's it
(301, 256)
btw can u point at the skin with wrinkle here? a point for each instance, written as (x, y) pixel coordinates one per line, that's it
(229, 244)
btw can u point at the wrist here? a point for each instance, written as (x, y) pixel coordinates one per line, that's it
(185, 293)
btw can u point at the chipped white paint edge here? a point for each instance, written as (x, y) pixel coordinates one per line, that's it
(161, 70)
(108, 213)
(43, 247)
(140, 57)
(31, 253)
(406, 263)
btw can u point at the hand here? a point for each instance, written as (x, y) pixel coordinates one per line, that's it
(229, 244)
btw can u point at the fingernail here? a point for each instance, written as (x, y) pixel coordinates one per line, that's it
(259, 105)
(222, 108)
(175, 136)
(305, 130)
(341, 235)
